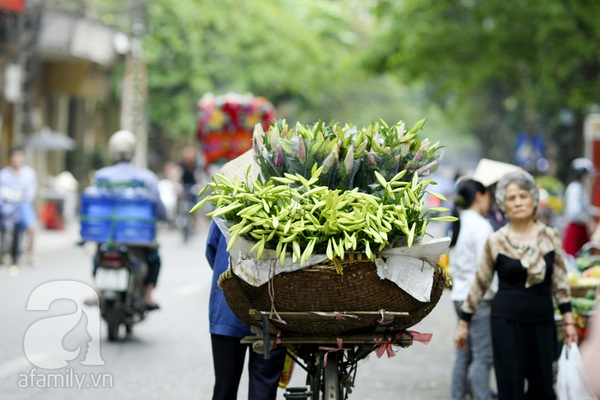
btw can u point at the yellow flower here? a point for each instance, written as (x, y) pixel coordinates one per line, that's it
(217, 119)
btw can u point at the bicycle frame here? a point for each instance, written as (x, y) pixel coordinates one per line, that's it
(330, 362)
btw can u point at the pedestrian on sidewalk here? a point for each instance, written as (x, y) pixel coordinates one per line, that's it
(18, 185)
(528, 258)
(579, 213)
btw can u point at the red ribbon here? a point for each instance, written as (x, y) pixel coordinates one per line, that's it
(340, 342)
(424, 338)
(387, 348)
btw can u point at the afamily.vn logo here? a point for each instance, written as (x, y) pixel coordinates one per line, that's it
(68, 379)
(44, 342)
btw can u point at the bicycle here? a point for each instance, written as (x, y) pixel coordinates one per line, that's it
(184, 220)
(330, 361)
(298, 310)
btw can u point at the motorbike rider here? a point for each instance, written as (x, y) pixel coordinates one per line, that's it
(121, 148)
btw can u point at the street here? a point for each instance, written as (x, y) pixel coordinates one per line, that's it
(168, 356)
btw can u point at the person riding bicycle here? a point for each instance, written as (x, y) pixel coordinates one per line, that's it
(189, 166)
(18, 184)
(187, 192)
(189, 172)
(121, 148)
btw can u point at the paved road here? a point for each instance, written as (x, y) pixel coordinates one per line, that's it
(168, 356)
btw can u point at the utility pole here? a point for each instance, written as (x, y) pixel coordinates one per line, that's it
(134, 93)
(29, 66)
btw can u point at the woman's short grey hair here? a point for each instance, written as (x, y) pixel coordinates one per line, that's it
(522, 179)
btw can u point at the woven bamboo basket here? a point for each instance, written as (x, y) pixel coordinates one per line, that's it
(295, 297)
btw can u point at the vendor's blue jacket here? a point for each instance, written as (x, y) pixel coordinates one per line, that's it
(222, 320)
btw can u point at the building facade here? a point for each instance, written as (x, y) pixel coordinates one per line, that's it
(61, 72)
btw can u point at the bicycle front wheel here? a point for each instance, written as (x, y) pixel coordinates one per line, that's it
(331, 378)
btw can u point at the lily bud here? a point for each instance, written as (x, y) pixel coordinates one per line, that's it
(274, 137)
(361, 148)
(349, 160)
(425, 168)
(301, 150)
(284, 131)
(396, 163)
(328, 163)
(424, 144)
(401, 129)
(258, 135)
(278, 156)
(331, 160)
(370, 158)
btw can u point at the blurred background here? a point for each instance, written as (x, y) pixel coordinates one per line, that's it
(516, 82)
(513, 81)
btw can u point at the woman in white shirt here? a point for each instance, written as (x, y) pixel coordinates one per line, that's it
(579, 213)
(472, 366)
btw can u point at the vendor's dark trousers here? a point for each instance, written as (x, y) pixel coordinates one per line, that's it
(228, 359)
(524, 351)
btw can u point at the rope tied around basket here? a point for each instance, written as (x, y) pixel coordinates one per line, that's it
(338, 316)
(271, 291)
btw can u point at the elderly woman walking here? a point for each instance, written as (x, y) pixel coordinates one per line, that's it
(528, 259)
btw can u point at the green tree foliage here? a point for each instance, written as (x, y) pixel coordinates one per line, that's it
(265, 47)
(306, 56)
(520, 60)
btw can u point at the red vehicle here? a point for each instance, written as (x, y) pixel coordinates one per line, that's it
(226, 124)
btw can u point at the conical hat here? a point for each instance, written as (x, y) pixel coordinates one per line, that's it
(489, 172)
(239, 166)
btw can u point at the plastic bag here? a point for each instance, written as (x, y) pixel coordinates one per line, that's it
(570, 382)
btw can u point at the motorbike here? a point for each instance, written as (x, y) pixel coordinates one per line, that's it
(123, 224)
(120, 273)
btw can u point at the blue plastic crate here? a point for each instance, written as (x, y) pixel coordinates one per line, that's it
(126, 216)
